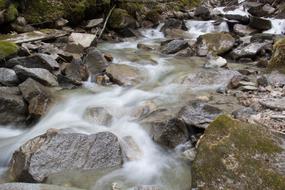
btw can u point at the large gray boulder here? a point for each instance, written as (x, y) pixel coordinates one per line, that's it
(56, 151)
(29, 186)
(41, 75)
(8, 77)
(40, 60)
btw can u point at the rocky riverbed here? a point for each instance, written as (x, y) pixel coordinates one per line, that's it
(168, 95)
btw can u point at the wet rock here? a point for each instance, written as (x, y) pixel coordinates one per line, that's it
(173, 24)
(277, 61)
(243, 30)
(215, 43)
(132, 150)
(174, 46)
(13, 109)
(215, 62)
(188, 52)
(41, 75)
(95, 62)
(40, 60)
(8, 50)
(202, 12)
(29, 186)
(76, 71)
(56, 151)
(262, 37)
(227, 151)
(242, 19)
(98, 115)
(274, 104)
(8, 77)
(247, 50)
(144, 47)
(260, 23)
(94, 22)
(166, 129)
(235, 81)
(124, 74)
(198, 114)
(210, 79)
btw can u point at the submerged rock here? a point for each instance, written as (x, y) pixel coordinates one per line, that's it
(55, 152)
(235, 155)
(124, 74)
(98, 115)
(215, 43)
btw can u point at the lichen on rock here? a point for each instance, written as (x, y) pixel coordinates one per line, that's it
(236, 155)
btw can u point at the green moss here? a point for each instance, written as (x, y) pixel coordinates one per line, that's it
(277, 61)
(233, 154)
(133, 8)
(7, 49)
(11, 13)
(117, 17)
(2, 4)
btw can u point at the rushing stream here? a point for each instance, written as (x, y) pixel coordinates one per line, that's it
(162, 85)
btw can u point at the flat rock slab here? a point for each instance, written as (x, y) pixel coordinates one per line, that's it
(28, 186)
(275, 104)
(44, 34)
(56, 151)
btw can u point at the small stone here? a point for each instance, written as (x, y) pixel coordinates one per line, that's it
(94, 22)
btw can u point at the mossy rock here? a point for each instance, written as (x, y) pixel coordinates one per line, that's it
(236, 155)
(7, 49)
(39, 11)
(2, 4)
(277, 61)
(217, 43)
(11, 13)
(133, 8)
(120, 19)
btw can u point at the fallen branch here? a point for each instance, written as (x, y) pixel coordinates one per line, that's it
(106, 21)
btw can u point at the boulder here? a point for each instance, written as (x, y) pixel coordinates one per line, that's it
(96, 62)
(262, 10)
(13, 109)
(215, 62)
(277, 61)
(41, 75)
(8, 77)
(40, 60)
(124, 74)
(166, 129)
(260, 23)
(8, 49)
(38, 97)
(215, 43)
(174, 46)
(82, 39)
(30, 186)
(56, 151)
(227, 157)
(243, 30)
(76, 71)
(198, 114)
(242, 19)
(247, 50)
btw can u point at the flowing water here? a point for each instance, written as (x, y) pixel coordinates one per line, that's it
(162, 85)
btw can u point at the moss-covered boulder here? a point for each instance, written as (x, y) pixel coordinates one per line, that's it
(216, 43)
(235, 155)
(11, 13)
(39, 11)
(277, 61)
(7, 49)
(120, 19)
